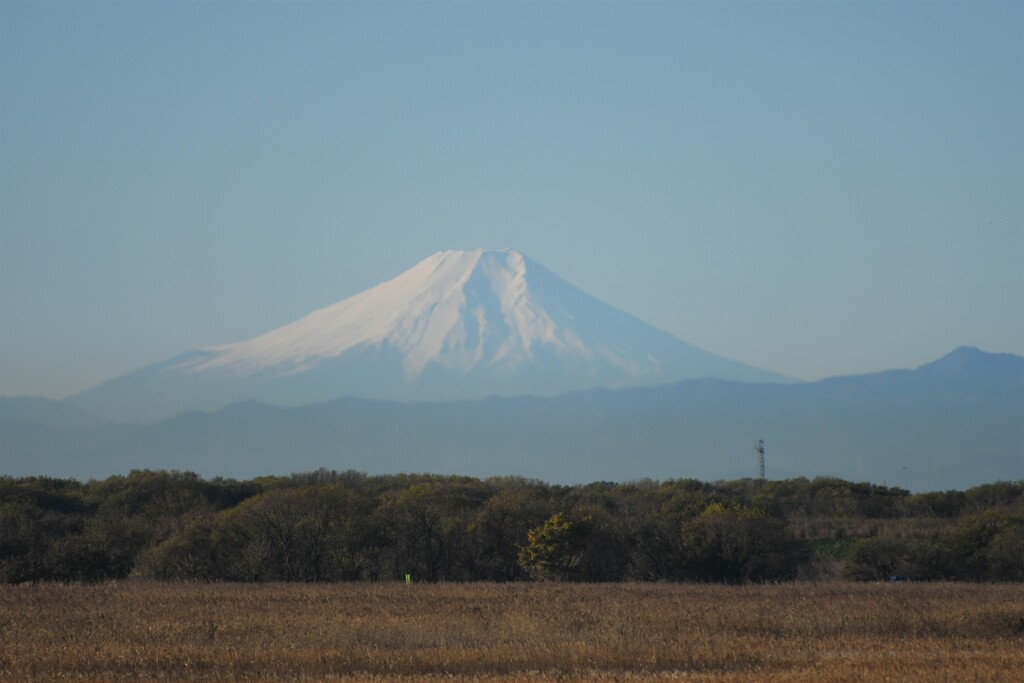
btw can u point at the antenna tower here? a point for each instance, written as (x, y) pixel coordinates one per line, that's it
(759, 447)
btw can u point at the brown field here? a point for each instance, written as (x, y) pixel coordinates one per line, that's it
(136, 631)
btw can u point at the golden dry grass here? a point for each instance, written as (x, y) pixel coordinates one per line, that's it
(796, 632)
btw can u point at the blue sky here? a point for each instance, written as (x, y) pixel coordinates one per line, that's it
(813, 188)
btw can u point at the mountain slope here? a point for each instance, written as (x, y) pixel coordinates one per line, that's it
(954, 423)
(460, 324)
(43, 411)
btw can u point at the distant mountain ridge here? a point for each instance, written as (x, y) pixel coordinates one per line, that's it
(459, 324)
(952, 423)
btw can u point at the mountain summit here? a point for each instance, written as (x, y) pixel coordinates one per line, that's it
(458, 309)
(459, 324)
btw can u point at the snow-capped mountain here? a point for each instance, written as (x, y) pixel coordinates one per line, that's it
(459, 324)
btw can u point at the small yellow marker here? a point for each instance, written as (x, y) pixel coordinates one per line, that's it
(408, 579)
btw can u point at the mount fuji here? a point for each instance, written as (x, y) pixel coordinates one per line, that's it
(458, 325)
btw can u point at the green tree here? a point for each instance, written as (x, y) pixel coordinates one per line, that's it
(732, 543)
(1004, 554)
(427, 528)
(876, 559)
(310, 533)
(970, 545)
(500, 527)
(555, 549)
(190, 554)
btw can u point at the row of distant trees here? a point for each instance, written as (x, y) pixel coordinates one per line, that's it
(331, 526)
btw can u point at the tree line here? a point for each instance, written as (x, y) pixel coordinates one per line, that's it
(349, 526)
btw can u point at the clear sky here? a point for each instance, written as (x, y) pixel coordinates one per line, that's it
(813, 188)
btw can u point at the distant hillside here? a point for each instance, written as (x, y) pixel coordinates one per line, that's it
(953, 423)
(42, 411)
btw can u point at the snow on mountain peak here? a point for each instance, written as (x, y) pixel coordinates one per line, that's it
(459, 309)
(457, 325)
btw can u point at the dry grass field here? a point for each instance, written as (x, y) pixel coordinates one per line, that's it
(823, 632)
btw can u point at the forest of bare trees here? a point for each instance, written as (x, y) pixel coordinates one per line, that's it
(347, 526)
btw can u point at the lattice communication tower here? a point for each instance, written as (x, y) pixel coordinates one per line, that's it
(759, 447)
